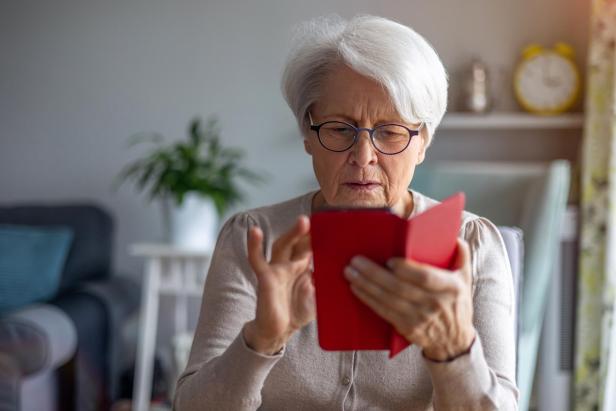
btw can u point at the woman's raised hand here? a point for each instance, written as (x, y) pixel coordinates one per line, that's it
(285, 294)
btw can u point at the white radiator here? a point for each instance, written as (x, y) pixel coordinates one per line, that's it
(554, 378)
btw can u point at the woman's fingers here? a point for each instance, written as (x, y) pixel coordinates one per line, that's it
(392, 310)
(283, 247)
(387, 295)
(255, 251)
(285, 296)
(426, 304)
(432, 278)
(256, 256)
(302, 248)
(379, 277)
(425, 276)
(304, 295)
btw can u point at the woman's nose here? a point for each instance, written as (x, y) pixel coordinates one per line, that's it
(363, 152)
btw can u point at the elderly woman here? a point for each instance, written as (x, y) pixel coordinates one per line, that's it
(368, 95)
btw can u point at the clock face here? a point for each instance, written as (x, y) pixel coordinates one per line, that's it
(547, 82)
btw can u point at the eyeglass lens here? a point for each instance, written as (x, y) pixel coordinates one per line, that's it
(388, 138)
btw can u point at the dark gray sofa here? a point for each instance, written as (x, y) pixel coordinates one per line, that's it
(68, 353)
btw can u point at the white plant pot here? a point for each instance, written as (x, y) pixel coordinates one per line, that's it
(193, 225)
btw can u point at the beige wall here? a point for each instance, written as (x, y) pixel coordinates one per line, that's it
(78, 77)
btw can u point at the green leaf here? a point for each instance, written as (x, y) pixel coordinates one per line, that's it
(200, 164)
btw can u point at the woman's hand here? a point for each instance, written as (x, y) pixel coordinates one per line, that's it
(285, 294)
(429, 306)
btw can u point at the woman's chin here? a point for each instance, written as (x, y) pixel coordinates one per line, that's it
(363, 198)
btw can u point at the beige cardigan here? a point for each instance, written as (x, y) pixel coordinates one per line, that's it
(224, 374)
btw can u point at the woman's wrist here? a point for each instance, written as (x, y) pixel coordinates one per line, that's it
(447, 354)
(256, 342)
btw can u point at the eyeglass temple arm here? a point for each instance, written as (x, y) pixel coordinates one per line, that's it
(312, 126)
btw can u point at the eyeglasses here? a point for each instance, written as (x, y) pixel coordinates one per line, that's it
(388, 139)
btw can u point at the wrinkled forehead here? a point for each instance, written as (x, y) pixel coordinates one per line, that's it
(345, 92)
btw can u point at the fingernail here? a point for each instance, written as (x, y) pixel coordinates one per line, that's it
(358, 261)
(350, 273)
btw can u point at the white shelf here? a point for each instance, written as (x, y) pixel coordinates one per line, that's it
(162, 250)
(510, 120)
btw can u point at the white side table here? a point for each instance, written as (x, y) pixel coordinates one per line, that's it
(168, 270)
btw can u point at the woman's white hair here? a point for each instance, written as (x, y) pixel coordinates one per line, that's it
(394, 55)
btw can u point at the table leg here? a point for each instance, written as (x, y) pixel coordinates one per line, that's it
(147, 336)
(181, 303)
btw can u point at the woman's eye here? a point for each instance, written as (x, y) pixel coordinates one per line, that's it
(340, 130)
(391, 134)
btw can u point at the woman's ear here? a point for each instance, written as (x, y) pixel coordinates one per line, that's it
(421, 154)
(307, 146)
(307, 132)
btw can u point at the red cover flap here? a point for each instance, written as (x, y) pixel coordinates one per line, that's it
(431, 239)
(344, 322)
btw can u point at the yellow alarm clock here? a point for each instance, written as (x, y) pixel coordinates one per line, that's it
(547, 81)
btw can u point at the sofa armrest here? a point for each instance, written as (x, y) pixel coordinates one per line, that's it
(37, 337)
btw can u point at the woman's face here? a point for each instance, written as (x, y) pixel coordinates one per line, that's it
(361, 176)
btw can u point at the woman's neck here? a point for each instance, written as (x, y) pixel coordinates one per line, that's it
(403, 208)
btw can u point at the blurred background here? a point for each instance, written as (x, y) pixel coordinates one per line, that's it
(79, 78)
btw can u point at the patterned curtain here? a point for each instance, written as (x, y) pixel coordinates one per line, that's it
(595, 362)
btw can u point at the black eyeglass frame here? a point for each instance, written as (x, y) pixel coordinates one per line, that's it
(317, 128)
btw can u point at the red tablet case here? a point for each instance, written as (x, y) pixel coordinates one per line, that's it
(343, 321)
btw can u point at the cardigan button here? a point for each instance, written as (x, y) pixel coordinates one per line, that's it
(346, 381)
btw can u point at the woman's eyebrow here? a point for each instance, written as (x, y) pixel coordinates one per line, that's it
(385, 120)
(351, 119)
(347, 118)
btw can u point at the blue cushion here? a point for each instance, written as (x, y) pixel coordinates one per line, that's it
(31, 263)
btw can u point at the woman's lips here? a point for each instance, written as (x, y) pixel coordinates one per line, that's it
(362, 185)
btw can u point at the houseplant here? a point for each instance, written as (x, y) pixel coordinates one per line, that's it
(195, 179)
